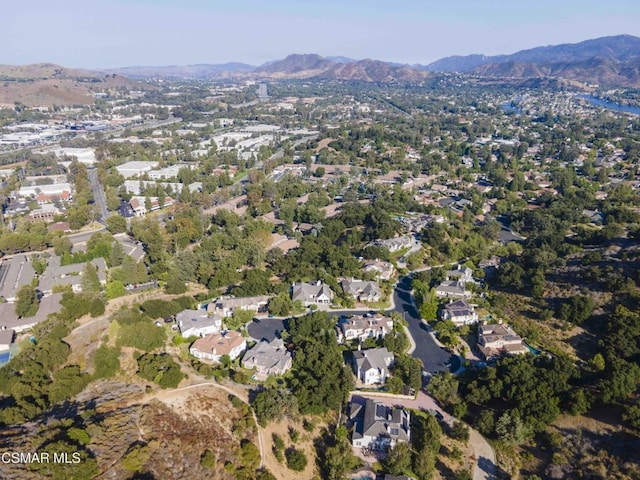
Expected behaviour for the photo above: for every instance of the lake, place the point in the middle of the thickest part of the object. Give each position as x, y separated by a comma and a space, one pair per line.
599, 102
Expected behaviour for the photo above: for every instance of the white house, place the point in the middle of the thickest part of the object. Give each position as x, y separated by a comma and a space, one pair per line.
197, 323
460, 313
312, 293
372, 366
361, 327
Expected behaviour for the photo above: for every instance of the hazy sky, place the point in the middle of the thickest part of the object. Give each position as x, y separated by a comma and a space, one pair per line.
113, 33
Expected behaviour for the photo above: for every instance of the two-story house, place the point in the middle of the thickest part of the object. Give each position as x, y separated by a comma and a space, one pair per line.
378, 426
372, 366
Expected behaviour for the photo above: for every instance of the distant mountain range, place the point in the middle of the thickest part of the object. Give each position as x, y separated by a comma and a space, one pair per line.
293, 66
608, 61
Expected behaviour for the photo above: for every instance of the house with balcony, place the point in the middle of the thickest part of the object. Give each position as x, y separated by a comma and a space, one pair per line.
361, 327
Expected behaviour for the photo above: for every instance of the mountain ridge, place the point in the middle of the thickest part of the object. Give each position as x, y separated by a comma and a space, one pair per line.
608, 61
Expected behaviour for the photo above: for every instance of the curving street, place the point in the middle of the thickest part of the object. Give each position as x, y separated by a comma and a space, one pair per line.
434, 358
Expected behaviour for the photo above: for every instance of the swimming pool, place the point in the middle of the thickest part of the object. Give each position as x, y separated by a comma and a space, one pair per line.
4, 357
533, 350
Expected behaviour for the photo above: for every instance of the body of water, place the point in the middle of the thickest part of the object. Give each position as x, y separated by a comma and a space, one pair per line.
4, 357
599, 102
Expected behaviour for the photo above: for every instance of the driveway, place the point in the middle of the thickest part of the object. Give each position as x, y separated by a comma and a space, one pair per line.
485, 467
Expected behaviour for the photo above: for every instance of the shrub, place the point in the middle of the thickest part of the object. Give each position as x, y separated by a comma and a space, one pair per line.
208, 459
296, 459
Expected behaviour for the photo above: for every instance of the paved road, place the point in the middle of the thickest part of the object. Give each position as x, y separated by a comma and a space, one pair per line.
83, 237
98, 194
434, 359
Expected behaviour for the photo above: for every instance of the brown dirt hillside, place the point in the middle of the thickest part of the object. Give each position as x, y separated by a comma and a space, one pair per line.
123, 434
46, 84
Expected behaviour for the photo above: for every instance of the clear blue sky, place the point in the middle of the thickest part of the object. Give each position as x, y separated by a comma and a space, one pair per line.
113, 33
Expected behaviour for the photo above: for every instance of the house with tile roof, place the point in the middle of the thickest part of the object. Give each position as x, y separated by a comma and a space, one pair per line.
213, 347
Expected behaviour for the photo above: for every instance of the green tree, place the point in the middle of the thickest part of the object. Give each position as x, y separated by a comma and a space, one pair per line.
296, 459
106, 361
208, 459
280, 305
116, 224
444, 388
398, 461
273, 404
510, 428
90, 281
160, 369
115, 289
26, 302
321, 382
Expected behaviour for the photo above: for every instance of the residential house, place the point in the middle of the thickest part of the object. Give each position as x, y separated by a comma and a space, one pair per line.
213, 347
57, 275
268, 358
361, 327
225, 306
15, 273
45, 212
372, 366
312, 293
395, 244
452, 289
198, 323
9, 320
382, 270
362, 290
460, 313
460, 273
497, 340
378, 426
